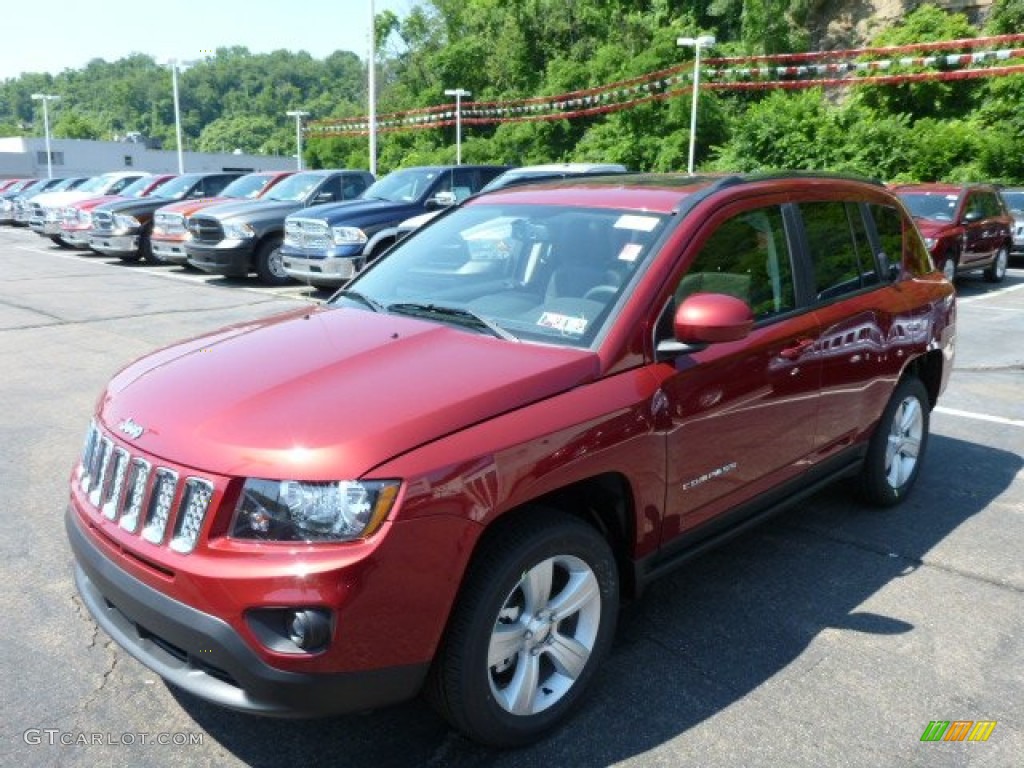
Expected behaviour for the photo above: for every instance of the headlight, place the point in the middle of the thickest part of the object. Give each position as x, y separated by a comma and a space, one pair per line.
6, 205
124, 224
348, 235
239, 231
929, 242
291, 510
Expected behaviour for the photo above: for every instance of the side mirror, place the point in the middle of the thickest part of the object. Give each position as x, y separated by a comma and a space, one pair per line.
708, 318
442, 200
972, 216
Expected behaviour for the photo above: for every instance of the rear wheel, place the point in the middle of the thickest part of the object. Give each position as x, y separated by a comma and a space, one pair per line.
897, 446
534, 620
270, 265
997, 269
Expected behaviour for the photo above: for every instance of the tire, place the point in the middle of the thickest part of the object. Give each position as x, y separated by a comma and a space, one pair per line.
59, 241
269, 265
949, 264
504, 610
144, 253
997, 269
897, 446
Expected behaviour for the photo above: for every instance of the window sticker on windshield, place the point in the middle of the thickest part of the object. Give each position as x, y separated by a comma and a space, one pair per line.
639, 223
630, 252
951, 197
564, 323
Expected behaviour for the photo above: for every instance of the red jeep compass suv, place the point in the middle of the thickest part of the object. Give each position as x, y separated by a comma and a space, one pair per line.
965, 226
446, 478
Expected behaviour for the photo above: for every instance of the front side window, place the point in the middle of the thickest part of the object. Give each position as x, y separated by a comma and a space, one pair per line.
839, 248
551, 274
746, 257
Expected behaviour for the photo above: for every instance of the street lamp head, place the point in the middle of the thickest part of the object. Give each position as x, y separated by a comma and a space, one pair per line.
296, 113
704, 41
460, 92
44, 97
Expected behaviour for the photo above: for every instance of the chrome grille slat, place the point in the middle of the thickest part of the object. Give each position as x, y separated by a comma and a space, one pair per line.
115, 485
130, 490
140, 469
161, 498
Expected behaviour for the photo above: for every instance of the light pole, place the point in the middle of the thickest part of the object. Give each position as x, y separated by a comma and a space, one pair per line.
298, 114
458, 93
704, 41
45, 98
371, 88
175, 65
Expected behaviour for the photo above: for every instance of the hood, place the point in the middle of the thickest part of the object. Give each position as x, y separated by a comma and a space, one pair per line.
933, 227
328, 393
188, 207
362, 211
60, 199
246, 208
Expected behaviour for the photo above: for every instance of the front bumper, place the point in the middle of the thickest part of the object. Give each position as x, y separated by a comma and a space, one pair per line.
232, 258
115, 245
171, 251
330, 271
45, 228
205, 656
77, 238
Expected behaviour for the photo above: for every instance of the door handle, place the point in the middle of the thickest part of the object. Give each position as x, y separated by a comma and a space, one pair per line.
797, 350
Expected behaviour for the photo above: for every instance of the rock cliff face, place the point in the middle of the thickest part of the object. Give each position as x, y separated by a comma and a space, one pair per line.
852, 23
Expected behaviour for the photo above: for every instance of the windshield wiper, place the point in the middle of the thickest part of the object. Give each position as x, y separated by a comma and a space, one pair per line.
455, 314
373, 304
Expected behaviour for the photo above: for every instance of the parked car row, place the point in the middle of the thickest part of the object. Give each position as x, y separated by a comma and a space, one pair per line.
321, 227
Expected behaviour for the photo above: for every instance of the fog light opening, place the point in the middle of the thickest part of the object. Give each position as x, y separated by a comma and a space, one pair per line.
308, 629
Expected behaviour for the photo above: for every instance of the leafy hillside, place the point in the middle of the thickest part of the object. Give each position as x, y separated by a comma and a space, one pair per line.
516, 49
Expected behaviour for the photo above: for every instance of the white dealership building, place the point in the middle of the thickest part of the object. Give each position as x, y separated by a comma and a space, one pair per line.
22, 157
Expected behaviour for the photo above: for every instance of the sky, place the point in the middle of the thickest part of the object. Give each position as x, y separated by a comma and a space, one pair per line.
67, 34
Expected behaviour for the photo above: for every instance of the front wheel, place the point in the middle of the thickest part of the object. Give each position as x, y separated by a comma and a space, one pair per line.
534, 619
997, 269
270, 265
897, 446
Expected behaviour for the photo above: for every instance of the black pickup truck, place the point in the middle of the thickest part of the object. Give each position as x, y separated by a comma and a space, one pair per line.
235, 239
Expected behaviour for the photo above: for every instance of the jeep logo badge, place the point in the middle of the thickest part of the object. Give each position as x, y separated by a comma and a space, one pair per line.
131, 429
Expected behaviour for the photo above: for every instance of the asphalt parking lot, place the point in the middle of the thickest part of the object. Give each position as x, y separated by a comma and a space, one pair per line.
831, 636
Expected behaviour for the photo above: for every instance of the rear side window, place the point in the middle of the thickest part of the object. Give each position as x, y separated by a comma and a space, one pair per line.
899, 239
839, 248
747, 257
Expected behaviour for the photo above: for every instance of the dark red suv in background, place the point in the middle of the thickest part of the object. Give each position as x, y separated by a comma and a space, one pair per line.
448, 476
965, 226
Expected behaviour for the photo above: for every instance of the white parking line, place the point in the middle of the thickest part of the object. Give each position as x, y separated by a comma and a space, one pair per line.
980, 416
993, 295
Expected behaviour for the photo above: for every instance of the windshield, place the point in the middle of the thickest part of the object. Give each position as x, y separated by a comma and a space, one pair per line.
930, 206
247, 187
1014, 199
402, 186
64, 184
295, 188
95, 184
551, 274
176, 188
138, 187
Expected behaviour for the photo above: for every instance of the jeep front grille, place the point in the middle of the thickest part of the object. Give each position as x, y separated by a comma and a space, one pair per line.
141, 498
